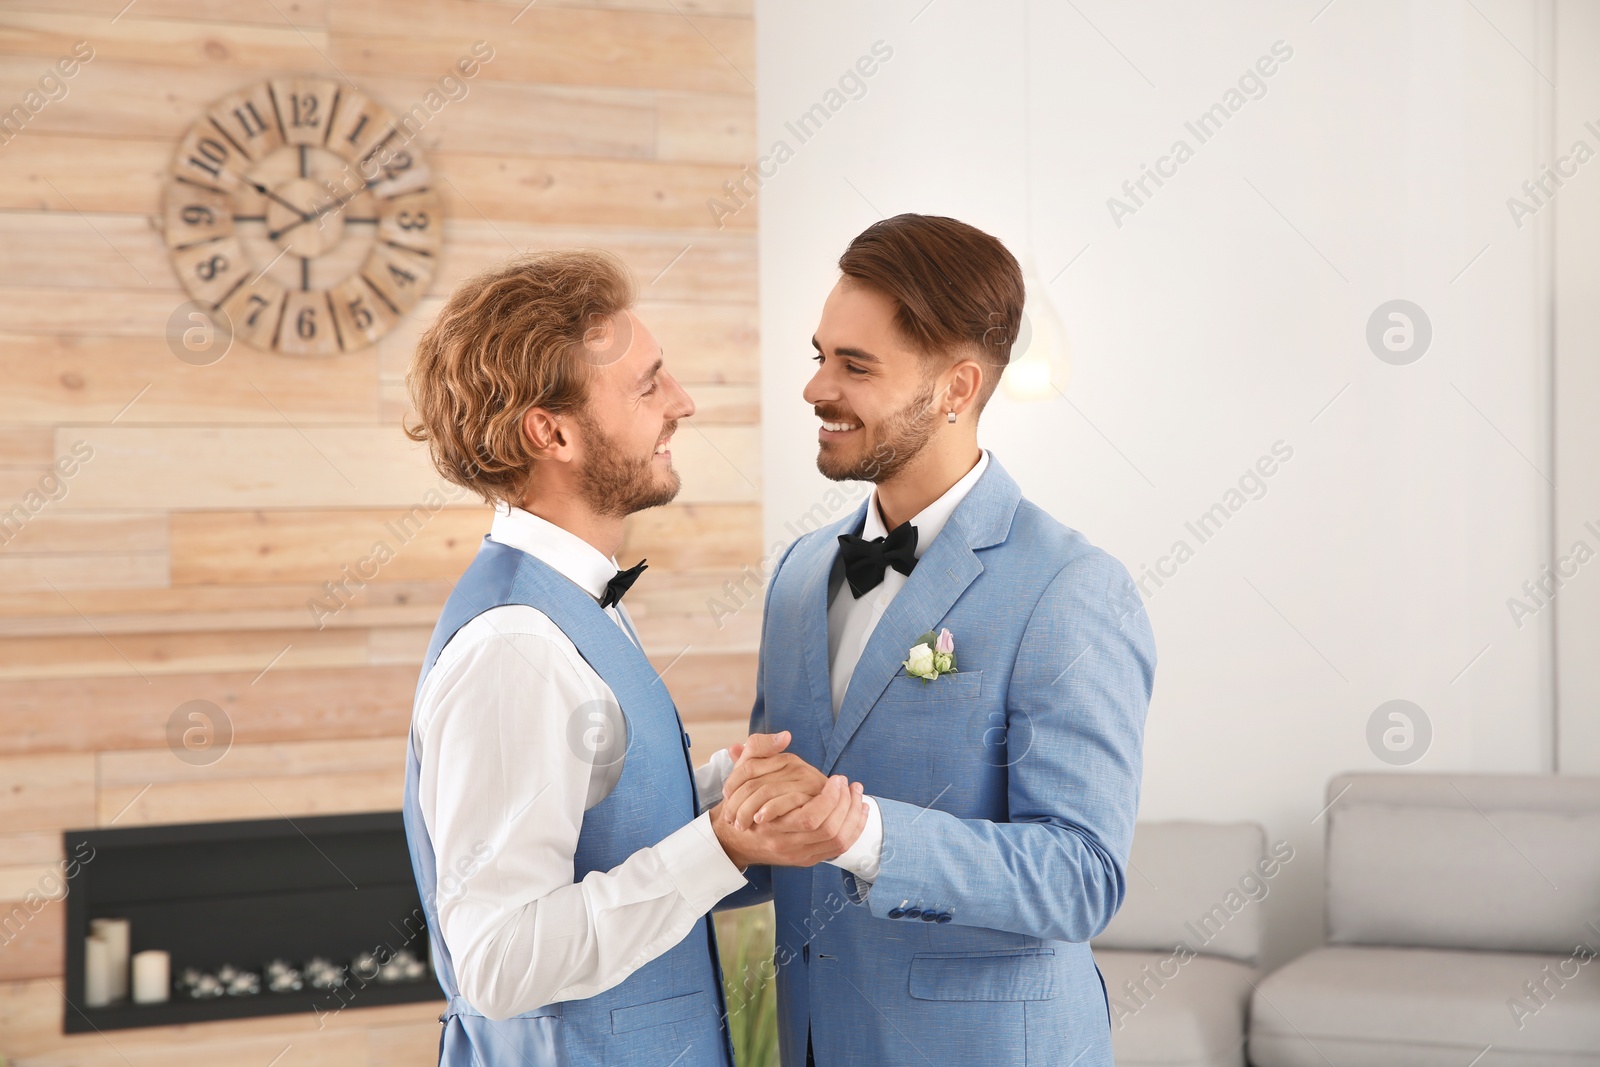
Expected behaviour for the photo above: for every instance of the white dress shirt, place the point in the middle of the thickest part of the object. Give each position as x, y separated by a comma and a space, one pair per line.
503, 792
850, 625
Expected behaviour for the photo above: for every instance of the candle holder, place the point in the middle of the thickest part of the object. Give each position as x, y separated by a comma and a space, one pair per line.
244, 984
324, 974
283, 978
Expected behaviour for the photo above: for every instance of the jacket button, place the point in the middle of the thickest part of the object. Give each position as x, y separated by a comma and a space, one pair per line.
944, 917
931, 916
913, 913
897, 913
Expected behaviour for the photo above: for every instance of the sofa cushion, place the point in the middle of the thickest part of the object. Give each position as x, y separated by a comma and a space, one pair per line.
1197, 884
1521, 792
1176, 1011
1468, 878
1395, 1007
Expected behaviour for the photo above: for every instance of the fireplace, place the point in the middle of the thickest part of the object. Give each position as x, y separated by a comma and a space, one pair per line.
257, 896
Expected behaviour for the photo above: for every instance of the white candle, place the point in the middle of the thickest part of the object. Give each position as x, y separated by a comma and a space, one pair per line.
152, 977
114, 932
96, 972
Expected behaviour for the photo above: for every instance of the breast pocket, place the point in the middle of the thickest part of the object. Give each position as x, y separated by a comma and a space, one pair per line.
660, 1012
962, 685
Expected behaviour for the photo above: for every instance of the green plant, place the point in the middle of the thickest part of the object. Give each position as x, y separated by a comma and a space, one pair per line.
749, 982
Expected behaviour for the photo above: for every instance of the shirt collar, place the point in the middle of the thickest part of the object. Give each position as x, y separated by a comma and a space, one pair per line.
562, 550
931, 519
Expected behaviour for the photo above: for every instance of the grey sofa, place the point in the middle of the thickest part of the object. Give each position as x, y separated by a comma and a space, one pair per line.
1462, 921
1180, 956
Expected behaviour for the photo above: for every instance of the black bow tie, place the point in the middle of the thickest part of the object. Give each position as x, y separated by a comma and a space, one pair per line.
620, 583
866, 561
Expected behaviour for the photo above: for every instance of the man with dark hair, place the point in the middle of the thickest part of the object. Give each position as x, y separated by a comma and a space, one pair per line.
565, 862
981, 669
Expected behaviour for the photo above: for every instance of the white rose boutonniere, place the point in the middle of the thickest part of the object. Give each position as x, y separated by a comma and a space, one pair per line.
932, 655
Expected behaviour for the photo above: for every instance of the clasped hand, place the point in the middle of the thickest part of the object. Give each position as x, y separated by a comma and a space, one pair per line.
778, 809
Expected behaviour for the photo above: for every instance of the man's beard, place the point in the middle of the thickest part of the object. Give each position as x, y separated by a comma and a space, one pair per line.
616, 484
893, 444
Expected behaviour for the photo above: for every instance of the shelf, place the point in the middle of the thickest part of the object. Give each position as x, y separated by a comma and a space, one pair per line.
174, 1012
244, 893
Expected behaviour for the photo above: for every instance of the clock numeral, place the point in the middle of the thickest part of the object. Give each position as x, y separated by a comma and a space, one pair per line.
211, 155
355, 126
256, 304
250, 119
398, 275
207, 269
254, 309
408, 220
303, 108
308, 327
397, 164
192, 216
360, 314
211, 270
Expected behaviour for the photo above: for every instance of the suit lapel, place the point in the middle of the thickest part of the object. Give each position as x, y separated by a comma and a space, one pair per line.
943, 573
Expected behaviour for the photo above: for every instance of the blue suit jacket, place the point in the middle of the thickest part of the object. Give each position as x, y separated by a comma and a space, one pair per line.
1008, 791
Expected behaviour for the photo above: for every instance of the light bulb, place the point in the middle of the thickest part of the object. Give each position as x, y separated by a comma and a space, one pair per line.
1027, 379
1041, 362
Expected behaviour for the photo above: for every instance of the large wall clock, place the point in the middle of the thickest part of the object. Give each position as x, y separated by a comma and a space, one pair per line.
300, 209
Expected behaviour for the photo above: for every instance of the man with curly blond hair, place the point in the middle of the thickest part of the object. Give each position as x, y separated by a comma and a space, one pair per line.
557, 827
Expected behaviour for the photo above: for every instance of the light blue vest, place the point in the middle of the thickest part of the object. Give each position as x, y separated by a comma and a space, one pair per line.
669, 1011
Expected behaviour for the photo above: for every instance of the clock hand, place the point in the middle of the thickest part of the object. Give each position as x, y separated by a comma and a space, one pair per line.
323, 210
269, 194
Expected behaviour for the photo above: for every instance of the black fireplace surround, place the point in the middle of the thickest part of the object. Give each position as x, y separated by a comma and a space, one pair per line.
244, 893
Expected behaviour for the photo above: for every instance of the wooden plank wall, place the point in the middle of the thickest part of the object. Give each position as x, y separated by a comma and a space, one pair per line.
179, 562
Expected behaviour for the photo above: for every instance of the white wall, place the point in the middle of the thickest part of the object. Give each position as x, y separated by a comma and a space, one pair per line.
1577, 373
1221, 317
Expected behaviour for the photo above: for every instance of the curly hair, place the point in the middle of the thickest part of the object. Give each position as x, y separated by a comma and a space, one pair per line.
508, 340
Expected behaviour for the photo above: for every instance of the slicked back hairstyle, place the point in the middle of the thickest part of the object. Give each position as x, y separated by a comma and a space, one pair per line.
507, 340
957, 291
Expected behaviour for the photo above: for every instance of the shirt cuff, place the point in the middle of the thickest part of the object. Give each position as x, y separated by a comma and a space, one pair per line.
701, 871
709, 777
864, 858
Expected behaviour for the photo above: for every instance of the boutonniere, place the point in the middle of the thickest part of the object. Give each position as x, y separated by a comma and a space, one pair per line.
932, 655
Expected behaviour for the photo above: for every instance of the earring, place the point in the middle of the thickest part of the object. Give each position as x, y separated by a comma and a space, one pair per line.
950, 417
